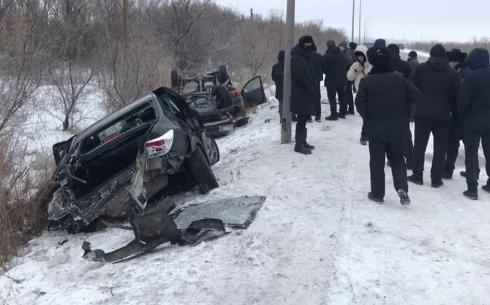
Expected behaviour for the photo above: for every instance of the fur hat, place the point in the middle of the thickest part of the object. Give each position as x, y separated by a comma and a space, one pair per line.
304, 40
412, 54
379, 56
438, 51
352, 46
455, 55
380, 43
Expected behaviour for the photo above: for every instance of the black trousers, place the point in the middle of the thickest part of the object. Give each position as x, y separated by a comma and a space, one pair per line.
423, 129
394, 149
301, 122
349, 97
318, 104
333, 92
472, 144
455, 136
409, 149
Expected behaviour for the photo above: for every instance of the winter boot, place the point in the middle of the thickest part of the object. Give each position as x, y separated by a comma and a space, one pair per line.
300, 146
486, 187
404, 199
416, 179
375, 199
447, 175
436, 183
318, 119
463, 174
471, 194
308, 146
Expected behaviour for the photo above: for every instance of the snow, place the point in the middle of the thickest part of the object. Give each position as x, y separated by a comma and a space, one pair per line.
421, 55
317, 240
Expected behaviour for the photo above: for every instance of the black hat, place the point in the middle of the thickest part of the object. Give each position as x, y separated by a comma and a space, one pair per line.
331, 44
394, 48
455, 55
304, 40
438, 51
379, 56
412, 54
352, 46
380, 43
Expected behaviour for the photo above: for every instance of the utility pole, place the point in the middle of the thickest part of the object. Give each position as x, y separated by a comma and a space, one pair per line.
360, 20
353, 17
286, 104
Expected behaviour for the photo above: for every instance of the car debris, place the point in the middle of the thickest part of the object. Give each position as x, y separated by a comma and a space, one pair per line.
189, 225
129, 157
220, 104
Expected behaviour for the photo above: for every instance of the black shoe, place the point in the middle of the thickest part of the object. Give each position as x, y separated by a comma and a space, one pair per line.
486, 187
302, 150
473, 195
332, 118
364, 141
318, 119
342, 116
375, 199
416, 180
404, 199
436, 183
305, 144
462, 173
447, 175
350, 111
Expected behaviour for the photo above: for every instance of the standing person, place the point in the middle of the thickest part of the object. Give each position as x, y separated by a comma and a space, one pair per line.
303, 93
474, 113
349, 59
316, 64
278, 78
412, 61
439, 86
358, 70
456, 61
397, 63
334, 67
383, 101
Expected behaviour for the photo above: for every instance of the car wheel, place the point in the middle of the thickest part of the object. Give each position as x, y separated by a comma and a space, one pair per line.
200, 169
174, 78
222, 74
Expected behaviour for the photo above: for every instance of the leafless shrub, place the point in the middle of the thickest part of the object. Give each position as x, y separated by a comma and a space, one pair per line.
465, 46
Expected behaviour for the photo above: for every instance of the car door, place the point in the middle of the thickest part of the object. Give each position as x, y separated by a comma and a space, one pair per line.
253, 92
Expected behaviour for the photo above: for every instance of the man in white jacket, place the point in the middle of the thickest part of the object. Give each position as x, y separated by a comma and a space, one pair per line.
357, 71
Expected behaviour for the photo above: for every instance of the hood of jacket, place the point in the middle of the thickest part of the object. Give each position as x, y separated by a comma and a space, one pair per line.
361, 50
439, 63
478, 59
299, 51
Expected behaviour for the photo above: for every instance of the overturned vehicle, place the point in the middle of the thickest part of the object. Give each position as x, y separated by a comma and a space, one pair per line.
129, 157
220, 104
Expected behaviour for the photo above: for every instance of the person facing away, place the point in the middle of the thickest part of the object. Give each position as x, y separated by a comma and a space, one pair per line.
303, 92
456, 61
334, 67
278, 78
412, 61
349, 59
399, 64
317, 66
474, 114
439, 87
358, 70
383, 100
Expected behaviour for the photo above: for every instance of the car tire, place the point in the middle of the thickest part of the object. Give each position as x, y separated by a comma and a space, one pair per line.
174, 78
222, 74
200, 170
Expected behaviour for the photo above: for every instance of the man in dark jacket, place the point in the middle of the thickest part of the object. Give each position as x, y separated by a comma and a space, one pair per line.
474, 113
349, 59
278, 78
317, 66
439, 87
397, 63
412, 61
303, 92
456, 61
383, 101
335, 67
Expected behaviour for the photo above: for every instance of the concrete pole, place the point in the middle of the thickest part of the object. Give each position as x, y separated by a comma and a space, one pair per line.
353, 19
286, 103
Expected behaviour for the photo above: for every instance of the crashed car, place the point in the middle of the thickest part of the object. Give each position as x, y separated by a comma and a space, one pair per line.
129, 156
219, 103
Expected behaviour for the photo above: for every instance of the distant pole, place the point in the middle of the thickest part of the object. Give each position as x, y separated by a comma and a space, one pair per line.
353, 19
286, 104
360, 20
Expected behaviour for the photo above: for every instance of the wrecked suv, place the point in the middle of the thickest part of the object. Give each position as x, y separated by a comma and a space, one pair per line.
129, 156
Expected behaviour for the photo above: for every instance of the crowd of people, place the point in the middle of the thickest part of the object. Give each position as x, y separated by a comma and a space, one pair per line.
448, 96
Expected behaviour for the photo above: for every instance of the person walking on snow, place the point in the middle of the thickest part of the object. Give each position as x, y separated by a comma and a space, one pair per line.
474, 114
334, 67
316, 64
383, 100
439, 87
303, 92
358, 70
278, 78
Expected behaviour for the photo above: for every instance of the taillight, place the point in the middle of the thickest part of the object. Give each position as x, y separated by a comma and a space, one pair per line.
160, 146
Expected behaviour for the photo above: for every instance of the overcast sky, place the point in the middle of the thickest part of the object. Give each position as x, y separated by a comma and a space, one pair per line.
442, 20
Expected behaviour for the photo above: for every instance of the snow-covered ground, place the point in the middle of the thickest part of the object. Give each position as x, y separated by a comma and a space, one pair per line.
317, 240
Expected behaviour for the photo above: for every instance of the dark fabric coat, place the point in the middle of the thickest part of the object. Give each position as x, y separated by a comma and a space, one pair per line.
474, 97
278, 78
335, 67
439, 86
303, 93
400, 65
317, 65
383, 101
412, 62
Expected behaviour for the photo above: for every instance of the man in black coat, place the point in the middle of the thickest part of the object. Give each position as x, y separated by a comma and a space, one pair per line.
474, 114
439, 87
317, 66
349, 58
383, 100
397, 63
278, 78
335, 67
303, 92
